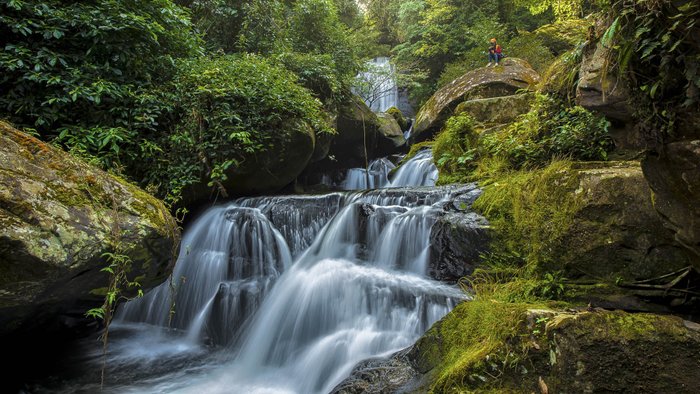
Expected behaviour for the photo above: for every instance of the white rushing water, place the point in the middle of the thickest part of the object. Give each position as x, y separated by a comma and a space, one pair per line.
418, 171
286, 294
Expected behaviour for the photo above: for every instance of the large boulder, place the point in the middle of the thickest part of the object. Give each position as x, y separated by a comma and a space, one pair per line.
600, 88
58, 217
262, 172
361, 135
391, 138
616, 233
508, 79
496, 110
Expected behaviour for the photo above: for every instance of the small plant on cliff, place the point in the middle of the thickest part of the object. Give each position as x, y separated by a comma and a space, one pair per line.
455, 148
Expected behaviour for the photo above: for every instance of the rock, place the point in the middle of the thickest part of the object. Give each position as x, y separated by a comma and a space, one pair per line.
674, 178
564, 35
497, 110
568, 351
57, 217
600, 88
400, 118
391, 138
457, 240
616, 233
357, 133
379, 376
488, 82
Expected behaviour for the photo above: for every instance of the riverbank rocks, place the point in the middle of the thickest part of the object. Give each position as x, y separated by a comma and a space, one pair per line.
488, 82
58, 216
523, 348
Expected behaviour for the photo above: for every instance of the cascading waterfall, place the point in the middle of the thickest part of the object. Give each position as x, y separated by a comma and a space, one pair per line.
287, 294
418, 171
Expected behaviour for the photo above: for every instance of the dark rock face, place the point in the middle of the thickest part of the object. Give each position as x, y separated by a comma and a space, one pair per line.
675, 181
601, 89
487, 82
456, 243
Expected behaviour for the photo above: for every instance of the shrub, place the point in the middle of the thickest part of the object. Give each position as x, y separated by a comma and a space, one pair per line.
455, 149
84, 64
226, 110
551, 129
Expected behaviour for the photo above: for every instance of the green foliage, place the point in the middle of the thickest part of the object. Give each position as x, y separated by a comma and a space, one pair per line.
530, 48
551, 129
83, 64
656, 45
561, 77
225, 110
530, 210
304, 33
455, 148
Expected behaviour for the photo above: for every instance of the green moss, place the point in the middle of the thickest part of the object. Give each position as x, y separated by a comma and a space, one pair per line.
455, 149
398, 115
474, 343
530, 210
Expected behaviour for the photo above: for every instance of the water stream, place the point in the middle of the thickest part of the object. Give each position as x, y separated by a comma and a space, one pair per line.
286, 294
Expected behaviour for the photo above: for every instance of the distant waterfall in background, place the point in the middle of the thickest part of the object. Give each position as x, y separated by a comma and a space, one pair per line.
377, 86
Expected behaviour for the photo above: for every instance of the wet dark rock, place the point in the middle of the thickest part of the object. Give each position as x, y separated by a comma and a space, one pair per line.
457, 241
380, 376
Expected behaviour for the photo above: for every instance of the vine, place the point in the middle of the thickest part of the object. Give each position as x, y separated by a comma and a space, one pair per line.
119, 265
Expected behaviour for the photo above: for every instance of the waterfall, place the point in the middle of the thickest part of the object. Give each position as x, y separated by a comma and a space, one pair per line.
377, 86
418, 171
287, 294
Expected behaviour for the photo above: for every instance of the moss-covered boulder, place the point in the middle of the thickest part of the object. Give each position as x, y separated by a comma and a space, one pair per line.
58, 216
505, 80
496, 110
391, 138
589, 219
616, 233
360, 133
485, 346
563, 35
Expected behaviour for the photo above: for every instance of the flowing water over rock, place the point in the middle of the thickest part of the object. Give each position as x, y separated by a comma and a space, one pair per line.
418, 171
285, 295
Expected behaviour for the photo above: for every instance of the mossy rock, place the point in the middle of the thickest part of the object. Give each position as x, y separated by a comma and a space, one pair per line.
590, 220
563, 35
58, 216
496, 110
485, 346
400, 118
512, 76
391, 139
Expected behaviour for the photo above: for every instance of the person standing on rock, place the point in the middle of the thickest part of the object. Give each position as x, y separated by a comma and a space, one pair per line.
494, 56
